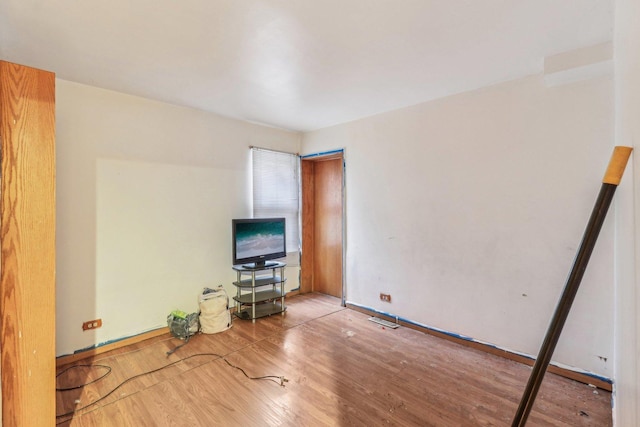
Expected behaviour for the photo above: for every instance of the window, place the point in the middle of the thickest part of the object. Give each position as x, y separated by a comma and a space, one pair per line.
276, 192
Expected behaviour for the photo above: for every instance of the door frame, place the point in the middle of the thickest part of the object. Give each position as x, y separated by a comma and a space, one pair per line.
27, 242
306, 185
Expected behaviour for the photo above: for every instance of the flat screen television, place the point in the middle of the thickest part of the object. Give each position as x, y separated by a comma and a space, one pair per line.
258, 240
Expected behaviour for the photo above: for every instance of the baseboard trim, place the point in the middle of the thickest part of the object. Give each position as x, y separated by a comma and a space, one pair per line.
114, 345
582, 377
564, 372
103, 348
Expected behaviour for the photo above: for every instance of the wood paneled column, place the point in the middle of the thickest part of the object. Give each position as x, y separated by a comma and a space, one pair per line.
27, 243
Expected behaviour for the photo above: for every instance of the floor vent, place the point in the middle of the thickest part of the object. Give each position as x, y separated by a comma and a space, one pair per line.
384, 322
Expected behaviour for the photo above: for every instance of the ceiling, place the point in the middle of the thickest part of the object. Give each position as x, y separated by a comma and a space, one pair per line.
296, 64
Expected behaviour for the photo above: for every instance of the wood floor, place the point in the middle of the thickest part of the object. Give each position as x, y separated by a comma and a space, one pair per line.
341, 369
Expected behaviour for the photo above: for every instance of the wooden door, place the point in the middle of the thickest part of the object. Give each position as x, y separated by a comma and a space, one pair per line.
27, 241
322, 225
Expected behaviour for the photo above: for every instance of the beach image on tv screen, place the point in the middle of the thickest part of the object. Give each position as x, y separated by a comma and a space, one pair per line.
259, 238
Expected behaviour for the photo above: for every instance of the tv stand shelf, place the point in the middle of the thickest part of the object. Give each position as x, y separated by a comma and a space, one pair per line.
259, 295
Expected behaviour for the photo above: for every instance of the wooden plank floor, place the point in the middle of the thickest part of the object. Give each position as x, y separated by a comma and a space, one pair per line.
341, 368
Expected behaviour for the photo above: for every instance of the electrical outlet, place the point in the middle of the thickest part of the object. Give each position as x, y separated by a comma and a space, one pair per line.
385, 297
91, 324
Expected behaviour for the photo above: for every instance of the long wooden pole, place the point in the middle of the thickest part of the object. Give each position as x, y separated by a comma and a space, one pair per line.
610, 182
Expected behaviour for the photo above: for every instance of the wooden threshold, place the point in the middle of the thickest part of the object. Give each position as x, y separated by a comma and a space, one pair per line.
563, 372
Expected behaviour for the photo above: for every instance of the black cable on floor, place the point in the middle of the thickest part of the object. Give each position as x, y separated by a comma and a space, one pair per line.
281, 380
108, 368
278, 379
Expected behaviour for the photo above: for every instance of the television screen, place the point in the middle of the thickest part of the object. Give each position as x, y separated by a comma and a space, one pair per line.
258, 240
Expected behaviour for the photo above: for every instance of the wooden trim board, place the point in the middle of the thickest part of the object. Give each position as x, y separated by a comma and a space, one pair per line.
487, 348
95, 351
84, 354
27, 243
563, 372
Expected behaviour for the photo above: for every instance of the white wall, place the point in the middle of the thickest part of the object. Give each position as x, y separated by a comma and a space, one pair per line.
627, 126
145, 196
469, 211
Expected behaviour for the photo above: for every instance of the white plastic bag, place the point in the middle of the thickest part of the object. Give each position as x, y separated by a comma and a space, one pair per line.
214, 311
